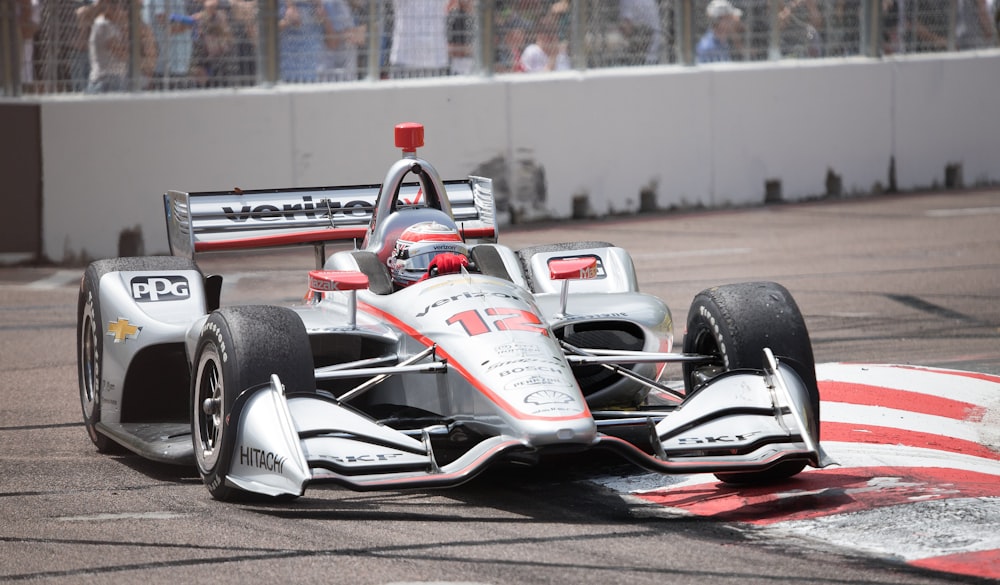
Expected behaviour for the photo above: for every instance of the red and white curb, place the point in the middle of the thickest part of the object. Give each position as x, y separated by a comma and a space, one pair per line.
917, 480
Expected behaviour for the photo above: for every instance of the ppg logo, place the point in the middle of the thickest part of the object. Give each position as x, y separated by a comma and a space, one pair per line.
160, 288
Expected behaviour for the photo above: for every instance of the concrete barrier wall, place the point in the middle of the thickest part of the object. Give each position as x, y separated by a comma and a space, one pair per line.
557, 145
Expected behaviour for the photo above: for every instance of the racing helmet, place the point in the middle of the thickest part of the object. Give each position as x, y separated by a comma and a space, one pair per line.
417, 247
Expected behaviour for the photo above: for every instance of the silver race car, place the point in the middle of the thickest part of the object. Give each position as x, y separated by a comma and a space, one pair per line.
428, 351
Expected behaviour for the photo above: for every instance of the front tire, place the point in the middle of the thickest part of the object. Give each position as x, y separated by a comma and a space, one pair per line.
241, 347
733, 324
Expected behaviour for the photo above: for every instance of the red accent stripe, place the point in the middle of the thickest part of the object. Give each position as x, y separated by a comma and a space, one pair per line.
866, 395
983, 563
825, 492
452, 362
270, 240
878, 435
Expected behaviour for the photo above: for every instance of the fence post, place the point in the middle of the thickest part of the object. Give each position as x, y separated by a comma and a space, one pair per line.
267, 32
10, 50
871, 28
684, 31
486, 15
374, 29
774, 41
952, 24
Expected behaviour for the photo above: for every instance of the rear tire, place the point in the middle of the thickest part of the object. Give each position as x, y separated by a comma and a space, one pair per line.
241, 347
733, 324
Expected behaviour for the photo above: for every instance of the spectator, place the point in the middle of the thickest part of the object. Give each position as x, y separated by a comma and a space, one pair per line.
639, 21
974, 26
461, 37
212, 44
304, 28
800, 23
28, 13
547, 53
915, 26
512, 34
724, 26
244, 26
419, 38
110, 39
173, 31
341, 62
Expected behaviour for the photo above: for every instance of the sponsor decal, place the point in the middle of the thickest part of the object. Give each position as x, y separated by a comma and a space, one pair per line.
122, 330
467, 295
533, 369
366, 458
516, 349
521, 361
147, 289
595, 272
308, 209
548, 397
261, 459
536, 380
717, 439
596, 316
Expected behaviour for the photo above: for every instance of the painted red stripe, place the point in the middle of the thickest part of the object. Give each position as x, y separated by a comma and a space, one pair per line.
310, 237
984, 563
825, 492
864, 394
878, 435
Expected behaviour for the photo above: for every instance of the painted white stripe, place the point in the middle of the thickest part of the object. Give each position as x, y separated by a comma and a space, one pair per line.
124, 516
899, 419
961, 211
57, 279
946, 526
847, 456
853, 455
914, 379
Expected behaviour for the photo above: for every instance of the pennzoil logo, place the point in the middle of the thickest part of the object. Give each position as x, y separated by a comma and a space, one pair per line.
122, 330
537, 380
151, 289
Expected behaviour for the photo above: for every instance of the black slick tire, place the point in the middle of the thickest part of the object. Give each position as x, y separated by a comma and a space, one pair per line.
734, 323
239, 348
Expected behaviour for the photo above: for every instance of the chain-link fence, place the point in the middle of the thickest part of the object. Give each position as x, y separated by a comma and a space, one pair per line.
70, 46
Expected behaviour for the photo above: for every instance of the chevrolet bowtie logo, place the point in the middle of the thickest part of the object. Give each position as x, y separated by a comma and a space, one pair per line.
122, 329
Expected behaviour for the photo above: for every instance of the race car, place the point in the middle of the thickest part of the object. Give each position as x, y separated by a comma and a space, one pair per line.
424, 351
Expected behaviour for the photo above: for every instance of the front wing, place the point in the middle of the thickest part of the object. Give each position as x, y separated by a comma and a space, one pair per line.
740, 422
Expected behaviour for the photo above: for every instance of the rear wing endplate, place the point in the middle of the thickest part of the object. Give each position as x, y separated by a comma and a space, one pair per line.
213, 221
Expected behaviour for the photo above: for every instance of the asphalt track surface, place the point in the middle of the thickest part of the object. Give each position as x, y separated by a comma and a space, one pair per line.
893, 280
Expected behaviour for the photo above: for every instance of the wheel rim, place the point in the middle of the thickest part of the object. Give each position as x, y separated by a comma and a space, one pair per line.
705, 343
209, 412
89, 362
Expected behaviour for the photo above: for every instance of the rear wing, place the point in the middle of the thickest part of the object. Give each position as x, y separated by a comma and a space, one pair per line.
213, 221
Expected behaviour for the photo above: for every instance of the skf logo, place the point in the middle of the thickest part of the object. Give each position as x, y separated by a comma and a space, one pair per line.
147, 289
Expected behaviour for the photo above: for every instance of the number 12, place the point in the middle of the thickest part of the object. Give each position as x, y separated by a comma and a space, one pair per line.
475, 323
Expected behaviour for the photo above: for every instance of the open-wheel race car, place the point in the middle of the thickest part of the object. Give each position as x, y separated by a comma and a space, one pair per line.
427, 351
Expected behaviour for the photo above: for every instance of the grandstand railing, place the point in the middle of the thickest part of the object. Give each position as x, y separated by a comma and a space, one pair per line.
49, 46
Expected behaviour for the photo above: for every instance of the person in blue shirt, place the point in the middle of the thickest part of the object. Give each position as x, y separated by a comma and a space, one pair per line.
305, 32
723, 32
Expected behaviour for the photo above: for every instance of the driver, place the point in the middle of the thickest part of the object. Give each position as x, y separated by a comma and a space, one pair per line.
424, 250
